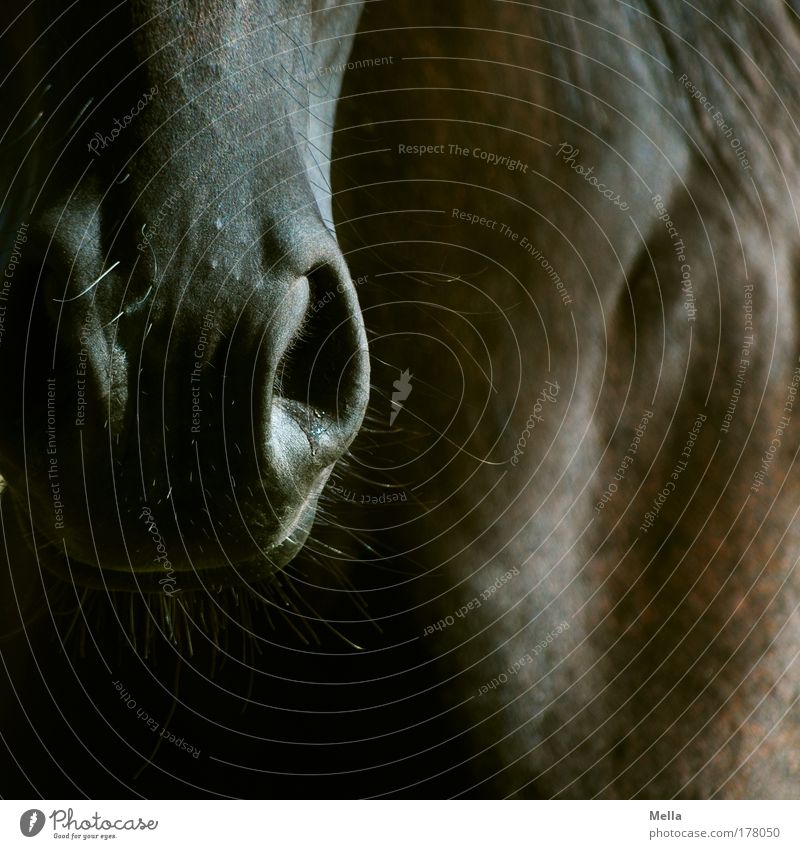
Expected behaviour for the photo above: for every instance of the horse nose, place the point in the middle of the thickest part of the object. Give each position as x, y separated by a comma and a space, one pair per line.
317, 381
219, 399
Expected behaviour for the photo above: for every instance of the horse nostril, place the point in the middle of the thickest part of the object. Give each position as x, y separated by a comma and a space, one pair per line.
322, 374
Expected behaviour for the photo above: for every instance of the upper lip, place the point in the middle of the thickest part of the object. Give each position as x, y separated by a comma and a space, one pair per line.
258, 568
255, 569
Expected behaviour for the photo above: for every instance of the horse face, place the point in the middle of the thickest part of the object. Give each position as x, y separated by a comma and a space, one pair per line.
186, 360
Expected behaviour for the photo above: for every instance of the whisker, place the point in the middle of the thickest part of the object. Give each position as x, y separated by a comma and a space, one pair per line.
89, 289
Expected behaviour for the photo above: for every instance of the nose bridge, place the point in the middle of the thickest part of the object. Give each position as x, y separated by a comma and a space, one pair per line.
270, 331
225, 207
217, 200
229, 91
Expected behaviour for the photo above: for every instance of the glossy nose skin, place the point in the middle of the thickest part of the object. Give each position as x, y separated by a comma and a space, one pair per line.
316, 367
198, 414
188, 359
